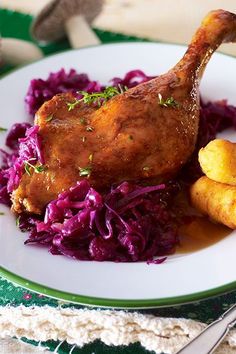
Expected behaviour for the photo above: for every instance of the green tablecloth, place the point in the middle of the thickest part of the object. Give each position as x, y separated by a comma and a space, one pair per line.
17, 25
205, 311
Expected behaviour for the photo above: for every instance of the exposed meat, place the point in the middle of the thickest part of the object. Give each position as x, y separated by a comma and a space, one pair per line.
131, 137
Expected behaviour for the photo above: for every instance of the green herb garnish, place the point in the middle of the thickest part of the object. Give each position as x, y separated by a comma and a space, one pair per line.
122, 89
40, 168
1, 213
82, 121
27, 169
49, 118
169, 102
3, 129
18, 221
37, 169
85, 172
71, 105
89, 128
97, 98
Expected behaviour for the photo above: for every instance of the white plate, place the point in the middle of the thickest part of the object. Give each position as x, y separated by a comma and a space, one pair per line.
182, 278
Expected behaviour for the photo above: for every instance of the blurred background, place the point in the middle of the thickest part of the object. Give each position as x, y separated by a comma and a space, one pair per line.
172, 21
166, 21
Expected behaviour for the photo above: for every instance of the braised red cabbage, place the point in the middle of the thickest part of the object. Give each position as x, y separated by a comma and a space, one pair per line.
10, 170
29, 151
130, 223
42, 90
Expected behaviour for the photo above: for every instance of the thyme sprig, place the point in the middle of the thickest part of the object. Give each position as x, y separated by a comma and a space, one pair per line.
18, 221
37, 169
97, 98
49, 118
3, 129
85, 171
168, 102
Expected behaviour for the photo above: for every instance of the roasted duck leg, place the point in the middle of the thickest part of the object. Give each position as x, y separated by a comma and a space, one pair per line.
144, 134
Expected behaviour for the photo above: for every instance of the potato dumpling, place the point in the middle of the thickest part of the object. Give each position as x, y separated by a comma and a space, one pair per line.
218, 161
215, 199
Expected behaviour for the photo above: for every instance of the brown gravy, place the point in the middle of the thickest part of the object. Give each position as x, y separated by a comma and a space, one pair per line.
200, 233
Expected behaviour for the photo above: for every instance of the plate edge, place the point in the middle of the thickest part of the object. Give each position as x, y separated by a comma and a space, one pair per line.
115, 303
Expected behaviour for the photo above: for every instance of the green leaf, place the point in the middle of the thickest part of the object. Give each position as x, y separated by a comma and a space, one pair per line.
40, 168
18, 221
1, 213
27, 168
3, 129
49, 118
85, 172
169, 102
37, 169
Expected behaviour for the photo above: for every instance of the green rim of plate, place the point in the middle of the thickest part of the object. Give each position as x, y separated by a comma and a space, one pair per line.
106, 302
114, 303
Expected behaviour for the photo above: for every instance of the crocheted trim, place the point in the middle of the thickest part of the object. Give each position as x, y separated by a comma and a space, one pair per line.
14, 346
82, 326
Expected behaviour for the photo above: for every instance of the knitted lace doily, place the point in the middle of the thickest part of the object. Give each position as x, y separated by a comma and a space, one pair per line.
83, 326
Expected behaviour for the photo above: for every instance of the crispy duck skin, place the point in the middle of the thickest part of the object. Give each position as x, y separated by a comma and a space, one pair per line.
133, 136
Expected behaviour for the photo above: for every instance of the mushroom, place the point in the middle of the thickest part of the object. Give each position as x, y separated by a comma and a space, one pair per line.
18, 52
67, 17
